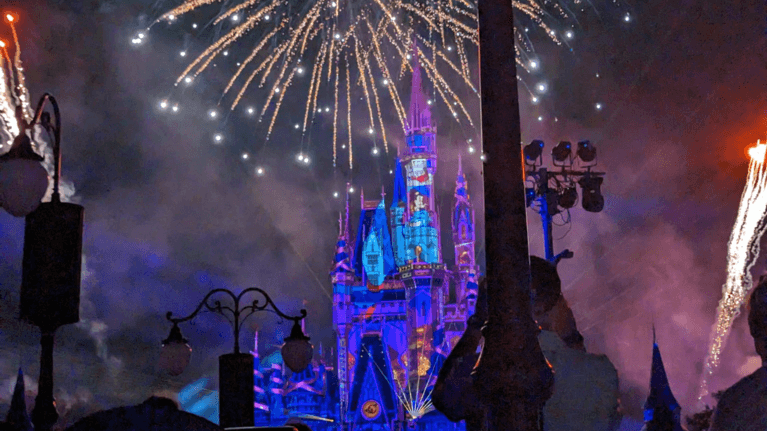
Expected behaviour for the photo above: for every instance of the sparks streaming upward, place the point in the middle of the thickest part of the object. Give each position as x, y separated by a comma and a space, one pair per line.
367, 36
742, 251
13, 90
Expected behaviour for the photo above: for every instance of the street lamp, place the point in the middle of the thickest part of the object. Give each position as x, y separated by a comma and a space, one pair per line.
235, 370
53, 235
23, 179
555, 192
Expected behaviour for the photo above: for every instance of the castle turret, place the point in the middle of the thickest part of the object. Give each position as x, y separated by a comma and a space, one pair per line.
18, 418
463, 242
423, 273
661, 410
342, 277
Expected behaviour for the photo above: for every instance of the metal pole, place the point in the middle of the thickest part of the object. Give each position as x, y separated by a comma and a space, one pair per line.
512, 376
545, 213
44, 415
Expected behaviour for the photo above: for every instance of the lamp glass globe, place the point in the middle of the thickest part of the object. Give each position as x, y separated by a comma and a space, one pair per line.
23, 184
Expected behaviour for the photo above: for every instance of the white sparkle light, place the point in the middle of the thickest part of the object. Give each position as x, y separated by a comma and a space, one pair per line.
569, 34
266, 18
188, 80
194, 25
540, 118
598, 106
627, 18
259, 171
375, 151
471, 149
335, 194
541, 87
212, 114
251, 110
218, 137
245, 156
742, 251
533, 64
235, 17
182, 53
175, 108
163, 104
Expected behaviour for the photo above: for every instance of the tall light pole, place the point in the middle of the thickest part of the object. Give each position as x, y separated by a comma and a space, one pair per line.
512, 376
53, 234
554, 190
235, 370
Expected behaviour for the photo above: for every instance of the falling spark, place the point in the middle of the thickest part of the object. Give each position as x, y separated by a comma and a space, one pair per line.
287, 34
742, 251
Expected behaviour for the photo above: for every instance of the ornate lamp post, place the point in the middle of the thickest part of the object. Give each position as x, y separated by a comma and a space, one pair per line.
235, 370
53, 233
512, 376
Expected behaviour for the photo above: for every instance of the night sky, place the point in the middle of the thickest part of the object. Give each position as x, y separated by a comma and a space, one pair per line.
170, 214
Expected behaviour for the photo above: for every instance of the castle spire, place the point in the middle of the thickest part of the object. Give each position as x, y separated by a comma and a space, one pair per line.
661, 410
420, 115
18, 417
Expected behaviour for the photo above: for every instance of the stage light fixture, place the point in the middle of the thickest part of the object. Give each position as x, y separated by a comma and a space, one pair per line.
586, 151
592, 200
562, 153
533, 151
568, 197
529, 196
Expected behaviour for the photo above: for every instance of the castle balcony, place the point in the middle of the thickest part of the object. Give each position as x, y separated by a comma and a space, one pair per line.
342, 277
423, 275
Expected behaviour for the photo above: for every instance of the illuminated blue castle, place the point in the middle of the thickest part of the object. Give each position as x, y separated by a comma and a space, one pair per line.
398, 310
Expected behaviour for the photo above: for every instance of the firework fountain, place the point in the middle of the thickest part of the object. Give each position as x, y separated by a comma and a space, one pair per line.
742, 251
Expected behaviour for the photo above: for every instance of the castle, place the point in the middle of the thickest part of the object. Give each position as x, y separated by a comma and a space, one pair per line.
397, 308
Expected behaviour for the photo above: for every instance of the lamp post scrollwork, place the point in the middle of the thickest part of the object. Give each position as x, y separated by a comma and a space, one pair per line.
236, 369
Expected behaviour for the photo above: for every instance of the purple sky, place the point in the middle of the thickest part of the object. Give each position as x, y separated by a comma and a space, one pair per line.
170, 215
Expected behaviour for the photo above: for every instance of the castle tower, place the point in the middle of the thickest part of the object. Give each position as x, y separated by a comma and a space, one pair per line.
423, 272
661, 410
464, 239
342, 277
463, 296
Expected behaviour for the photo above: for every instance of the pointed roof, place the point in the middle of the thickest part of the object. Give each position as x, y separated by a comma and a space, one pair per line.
373, 376
374, 221
661, 410
460, 181
18, 417
419, 116
400, 191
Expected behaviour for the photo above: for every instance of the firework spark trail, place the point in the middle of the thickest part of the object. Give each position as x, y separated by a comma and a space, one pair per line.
742, 251
312, 33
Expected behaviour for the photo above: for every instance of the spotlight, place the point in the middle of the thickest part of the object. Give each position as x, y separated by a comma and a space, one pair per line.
592, 200
562, 153
586, 151
568, 197
533, 151
529, 196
